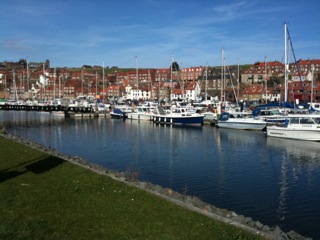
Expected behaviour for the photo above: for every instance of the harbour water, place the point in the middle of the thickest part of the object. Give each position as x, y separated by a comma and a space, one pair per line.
274, 181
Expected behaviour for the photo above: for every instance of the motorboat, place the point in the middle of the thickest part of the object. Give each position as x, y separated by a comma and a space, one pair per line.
300, 127
117, 113
239, 120
177, 116
270, 115
141, 113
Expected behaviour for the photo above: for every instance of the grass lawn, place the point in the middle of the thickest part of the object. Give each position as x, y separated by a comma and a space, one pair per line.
44, 197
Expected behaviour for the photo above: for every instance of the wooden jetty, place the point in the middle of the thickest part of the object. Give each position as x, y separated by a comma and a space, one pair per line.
81, 112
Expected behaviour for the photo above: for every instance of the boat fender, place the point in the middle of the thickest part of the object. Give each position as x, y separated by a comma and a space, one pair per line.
286, 122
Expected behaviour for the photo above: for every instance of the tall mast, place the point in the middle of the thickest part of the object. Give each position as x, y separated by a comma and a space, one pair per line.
222, 75
28, 77
238, 80
205, 93
103, 81
312, 80
96, 85
171, 77
44, 84
54, 84
15, 86
224, 78
137, 76
285, 64
59, 87
149, 85
266, 84
5, 86
82, 92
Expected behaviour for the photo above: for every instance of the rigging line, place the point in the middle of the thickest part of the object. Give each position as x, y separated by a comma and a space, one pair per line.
231, 78
297, 66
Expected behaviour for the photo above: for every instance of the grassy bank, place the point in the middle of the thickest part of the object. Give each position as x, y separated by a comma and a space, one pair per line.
44, 197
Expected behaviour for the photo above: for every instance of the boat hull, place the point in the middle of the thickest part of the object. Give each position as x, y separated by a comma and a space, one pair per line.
242, 125
239, 120
306, 135
117, 113
137, 116
183, 120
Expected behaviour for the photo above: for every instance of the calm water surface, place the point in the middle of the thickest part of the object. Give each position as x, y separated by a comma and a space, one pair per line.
272, 180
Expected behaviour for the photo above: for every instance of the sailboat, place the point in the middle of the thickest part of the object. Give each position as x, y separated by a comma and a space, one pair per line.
299, 127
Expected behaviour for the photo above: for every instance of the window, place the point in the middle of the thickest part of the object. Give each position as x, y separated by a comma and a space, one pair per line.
317, 120
294, 120
306, 121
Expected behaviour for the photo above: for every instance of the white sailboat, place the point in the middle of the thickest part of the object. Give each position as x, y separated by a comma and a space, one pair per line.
300, 127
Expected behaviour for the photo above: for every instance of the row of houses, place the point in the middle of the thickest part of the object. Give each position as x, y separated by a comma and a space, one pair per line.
261, 80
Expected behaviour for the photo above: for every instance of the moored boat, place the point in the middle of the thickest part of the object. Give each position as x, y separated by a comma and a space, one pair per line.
300, 127
178, 116
141, 113
240, 121
117, 113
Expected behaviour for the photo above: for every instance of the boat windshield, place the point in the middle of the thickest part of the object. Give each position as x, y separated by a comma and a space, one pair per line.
317, 120
305, 120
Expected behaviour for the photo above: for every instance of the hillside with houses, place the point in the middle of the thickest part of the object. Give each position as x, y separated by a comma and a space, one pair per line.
260, 81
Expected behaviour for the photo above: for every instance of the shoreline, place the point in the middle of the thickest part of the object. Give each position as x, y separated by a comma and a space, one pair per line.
191, 203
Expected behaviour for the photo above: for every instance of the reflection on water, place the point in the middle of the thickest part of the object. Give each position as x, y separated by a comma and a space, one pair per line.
302, 151
29, 118
275, 181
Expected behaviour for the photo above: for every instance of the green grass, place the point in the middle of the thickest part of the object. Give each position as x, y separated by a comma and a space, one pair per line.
44, 197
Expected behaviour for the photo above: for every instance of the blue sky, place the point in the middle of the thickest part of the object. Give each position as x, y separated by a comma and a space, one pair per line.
149, 32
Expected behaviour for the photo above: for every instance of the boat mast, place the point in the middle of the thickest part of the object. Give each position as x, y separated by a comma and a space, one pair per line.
171, 77
312, 80
103, 81
137, 76
222, 75
54, 84
238, 80
15, 86
96, 85
149, 85
224, 78
159, 83
205, 93
82, 93
28, 78
59, 86
44, 83
266, 83
286, 70
5, 86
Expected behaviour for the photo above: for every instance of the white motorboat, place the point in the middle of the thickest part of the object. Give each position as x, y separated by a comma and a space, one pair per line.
239, 120
141, 113
300, 127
